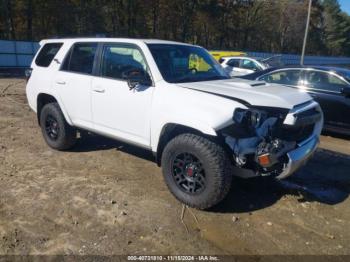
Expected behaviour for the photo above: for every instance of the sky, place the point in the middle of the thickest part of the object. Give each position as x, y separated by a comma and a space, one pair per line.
345, 5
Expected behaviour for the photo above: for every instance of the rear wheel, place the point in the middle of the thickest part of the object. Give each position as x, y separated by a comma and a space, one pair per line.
57, 133
196, 170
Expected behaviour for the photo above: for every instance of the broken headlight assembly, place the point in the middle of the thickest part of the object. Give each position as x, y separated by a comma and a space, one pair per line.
249, 117
253, 141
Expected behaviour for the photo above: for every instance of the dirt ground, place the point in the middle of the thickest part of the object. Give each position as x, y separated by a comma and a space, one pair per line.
104, 197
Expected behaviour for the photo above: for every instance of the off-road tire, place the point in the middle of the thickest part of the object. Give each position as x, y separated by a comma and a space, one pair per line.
215, 162
67, 135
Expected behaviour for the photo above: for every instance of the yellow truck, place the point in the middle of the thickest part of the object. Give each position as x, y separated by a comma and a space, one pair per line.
219, 54
201, 66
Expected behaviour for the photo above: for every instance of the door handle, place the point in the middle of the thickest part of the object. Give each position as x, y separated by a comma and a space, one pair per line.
61, 82
99, 90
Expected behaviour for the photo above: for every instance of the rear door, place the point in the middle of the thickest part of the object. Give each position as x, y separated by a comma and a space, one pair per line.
73, 82
326, 88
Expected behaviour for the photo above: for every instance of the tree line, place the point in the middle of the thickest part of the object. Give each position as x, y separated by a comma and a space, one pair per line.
249, 25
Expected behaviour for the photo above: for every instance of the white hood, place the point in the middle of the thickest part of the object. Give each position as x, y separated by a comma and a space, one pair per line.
253, 92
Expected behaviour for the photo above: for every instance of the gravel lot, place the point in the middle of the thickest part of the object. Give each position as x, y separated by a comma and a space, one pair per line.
106, 197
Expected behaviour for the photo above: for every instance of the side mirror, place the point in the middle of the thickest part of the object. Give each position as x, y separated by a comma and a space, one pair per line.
346, 91
136, 76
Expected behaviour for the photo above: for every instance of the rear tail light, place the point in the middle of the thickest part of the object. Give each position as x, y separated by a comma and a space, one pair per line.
28, 73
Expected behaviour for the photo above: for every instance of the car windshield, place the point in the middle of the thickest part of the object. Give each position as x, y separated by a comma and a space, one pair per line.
185, 63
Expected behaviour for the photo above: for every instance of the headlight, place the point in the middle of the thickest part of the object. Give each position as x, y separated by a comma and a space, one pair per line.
249, 117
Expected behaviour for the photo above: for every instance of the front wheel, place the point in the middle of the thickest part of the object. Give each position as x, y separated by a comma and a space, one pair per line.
196, 170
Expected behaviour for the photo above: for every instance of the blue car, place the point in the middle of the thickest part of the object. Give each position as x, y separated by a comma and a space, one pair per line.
329, 86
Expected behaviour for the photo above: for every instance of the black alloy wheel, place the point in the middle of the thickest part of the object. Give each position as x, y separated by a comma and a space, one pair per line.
51, 127
188, 173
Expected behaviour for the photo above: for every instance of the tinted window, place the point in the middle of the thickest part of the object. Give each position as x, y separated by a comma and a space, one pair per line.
47, 54
249, 64
117, 60
81, 58
233, 62
288, 77
324, 81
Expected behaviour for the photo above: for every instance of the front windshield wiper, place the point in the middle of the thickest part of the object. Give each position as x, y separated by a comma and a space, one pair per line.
216, 78
185, 79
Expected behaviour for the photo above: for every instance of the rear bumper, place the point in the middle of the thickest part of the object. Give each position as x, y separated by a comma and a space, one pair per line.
299, 156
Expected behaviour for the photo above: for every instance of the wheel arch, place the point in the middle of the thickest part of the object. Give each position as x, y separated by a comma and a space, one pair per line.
44, 99
171, 130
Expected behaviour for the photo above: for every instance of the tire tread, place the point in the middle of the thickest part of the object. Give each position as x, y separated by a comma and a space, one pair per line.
218, 160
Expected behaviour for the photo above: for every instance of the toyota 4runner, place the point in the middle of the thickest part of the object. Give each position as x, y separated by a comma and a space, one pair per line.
202, 126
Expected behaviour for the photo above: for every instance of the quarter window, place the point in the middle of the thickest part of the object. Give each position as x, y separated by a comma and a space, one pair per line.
81, 58
47, 54
117, 60
289, 77
324, 81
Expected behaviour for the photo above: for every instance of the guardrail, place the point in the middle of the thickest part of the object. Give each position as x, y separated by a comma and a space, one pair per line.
289, 59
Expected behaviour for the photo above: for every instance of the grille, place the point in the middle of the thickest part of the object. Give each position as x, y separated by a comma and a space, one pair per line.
296, 133
303, 128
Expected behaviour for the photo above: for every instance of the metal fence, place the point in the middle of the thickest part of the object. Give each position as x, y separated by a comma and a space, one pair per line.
19, 54
16, 54
289, 59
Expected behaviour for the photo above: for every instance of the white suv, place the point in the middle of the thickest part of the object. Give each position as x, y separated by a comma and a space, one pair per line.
202, 126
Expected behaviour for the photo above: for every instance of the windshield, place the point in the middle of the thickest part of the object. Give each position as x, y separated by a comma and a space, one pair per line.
185, 63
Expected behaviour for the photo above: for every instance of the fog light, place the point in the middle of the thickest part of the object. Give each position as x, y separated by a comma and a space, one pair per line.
264, 160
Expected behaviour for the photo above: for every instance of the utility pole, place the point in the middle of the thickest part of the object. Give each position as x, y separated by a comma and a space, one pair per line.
306, 33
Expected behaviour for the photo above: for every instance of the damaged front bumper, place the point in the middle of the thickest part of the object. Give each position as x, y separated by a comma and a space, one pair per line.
299, 156
276, 147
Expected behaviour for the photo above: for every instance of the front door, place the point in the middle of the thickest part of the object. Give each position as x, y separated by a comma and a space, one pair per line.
117, 110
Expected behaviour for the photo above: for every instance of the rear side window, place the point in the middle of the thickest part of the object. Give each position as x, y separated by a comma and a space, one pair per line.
288, 77
324, 81
47, 54
80, 59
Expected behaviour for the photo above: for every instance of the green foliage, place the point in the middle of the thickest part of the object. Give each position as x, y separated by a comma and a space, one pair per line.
337, 28
259, 25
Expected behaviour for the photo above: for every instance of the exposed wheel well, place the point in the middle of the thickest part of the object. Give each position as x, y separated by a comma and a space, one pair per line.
170, 131
42, 100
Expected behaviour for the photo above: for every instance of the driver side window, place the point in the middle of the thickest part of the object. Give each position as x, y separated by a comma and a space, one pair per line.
117, 60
